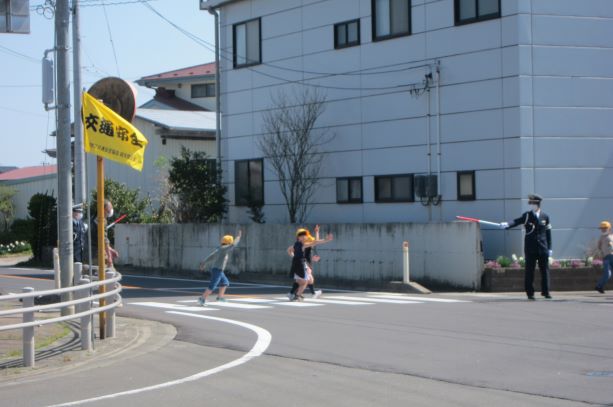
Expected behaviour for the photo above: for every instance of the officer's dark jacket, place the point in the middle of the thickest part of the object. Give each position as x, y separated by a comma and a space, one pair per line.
538, 232
78, 235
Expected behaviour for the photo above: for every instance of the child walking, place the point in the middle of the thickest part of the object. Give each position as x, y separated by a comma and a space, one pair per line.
219, 260
302, 259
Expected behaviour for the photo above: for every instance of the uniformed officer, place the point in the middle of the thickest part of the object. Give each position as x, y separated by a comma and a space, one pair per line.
537, 244
79, 229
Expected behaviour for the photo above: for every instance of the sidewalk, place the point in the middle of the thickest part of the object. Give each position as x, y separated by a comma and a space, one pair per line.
134, 337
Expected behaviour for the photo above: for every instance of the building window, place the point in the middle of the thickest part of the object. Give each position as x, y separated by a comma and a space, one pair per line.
391, 18
206, 90
349, 190
247, 43
347, 34
466, 186
394, 188
249, 182
471, 11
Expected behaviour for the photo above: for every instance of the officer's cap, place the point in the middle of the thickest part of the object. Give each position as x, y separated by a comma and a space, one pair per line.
77, 208
534, 199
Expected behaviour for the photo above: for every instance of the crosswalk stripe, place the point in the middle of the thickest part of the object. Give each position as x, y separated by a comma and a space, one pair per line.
375, 300
419, 299
298, 304
229, 304
252, 300
174, 307
331, 301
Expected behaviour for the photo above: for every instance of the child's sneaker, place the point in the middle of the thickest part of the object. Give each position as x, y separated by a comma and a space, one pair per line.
201, 301
290, 296
293, 297
221, 299
317, 294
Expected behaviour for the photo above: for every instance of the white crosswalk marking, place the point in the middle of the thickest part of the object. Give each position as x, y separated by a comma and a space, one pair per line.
374, 300
228, 304
298, 304
333, 301
419, 299
173, 307
259, 303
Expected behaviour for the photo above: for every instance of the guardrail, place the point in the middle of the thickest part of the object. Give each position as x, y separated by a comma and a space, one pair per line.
109, 290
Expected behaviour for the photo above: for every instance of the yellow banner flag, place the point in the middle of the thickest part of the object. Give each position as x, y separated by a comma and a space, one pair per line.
109, 135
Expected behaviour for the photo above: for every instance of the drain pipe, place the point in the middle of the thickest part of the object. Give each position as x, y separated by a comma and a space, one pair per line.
438, 131
428, 132
217, 86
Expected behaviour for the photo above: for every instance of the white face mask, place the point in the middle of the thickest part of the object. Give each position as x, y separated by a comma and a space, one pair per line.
535, 208
79, 216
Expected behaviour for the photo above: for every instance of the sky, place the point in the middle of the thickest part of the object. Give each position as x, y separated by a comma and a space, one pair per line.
118, 38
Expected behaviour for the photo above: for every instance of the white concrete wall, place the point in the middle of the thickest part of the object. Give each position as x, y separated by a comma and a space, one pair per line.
443, 252
184, 91
148, 180
526, 102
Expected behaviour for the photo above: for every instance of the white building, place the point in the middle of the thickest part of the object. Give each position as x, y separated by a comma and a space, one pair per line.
526, 105
178, 116
27, 182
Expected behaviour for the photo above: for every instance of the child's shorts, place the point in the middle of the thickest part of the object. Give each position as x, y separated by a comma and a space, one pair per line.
218, 278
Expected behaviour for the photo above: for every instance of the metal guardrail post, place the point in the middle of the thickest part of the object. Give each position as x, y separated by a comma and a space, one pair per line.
28, 333
86, 339
110, 321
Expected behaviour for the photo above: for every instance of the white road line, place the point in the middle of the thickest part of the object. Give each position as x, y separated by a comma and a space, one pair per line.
262, 343
228, 304
338, 302
375, 300
251, 300
176, 307
406, 297
287, 303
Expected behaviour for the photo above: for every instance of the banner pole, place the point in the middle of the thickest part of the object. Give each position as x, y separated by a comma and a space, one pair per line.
101, 242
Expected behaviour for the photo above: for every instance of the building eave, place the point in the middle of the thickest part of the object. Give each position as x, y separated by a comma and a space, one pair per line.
213, 4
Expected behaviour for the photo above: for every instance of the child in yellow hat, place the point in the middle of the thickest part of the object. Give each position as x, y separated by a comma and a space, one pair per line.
301, 258
219, 260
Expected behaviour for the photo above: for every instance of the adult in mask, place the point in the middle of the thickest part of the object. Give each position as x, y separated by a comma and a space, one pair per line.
537, 244
79, 229
605, 249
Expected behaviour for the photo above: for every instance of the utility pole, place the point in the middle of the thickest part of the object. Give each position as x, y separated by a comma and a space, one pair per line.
64, 207
79, 152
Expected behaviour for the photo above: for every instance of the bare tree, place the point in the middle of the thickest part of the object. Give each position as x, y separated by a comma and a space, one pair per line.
292, 145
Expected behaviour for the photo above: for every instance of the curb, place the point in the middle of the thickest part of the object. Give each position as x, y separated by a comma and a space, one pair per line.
135, 337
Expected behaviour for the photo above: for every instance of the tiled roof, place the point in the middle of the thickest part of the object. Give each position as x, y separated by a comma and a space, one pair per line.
196, 70
28, 172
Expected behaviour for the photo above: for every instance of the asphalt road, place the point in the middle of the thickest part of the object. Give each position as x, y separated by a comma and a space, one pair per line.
346, 349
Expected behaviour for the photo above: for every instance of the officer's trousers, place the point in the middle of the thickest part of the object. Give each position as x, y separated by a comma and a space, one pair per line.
543, 261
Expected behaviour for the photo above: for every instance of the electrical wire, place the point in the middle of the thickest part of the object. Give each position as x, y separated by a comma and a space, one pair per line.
108, 27
323, 75
18, 54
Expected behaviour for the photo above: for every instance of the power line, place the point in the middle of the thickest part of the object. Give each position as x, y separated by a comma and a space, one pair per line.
323, 75
108, 27
18, 54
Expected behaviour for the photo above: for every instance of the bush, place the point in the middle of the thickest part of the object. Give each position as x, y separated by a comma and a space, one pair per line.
43, 211
15, 247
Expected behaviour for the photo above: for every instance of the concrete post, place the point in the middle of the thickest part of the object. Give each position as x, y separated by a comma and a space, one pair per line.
405, 263
56, 267
86, 340
78, 272
110, 320
28, 333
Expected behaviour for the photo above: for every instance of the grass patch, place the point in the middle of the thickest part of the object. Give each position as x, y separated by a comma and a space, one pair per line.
42, 342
